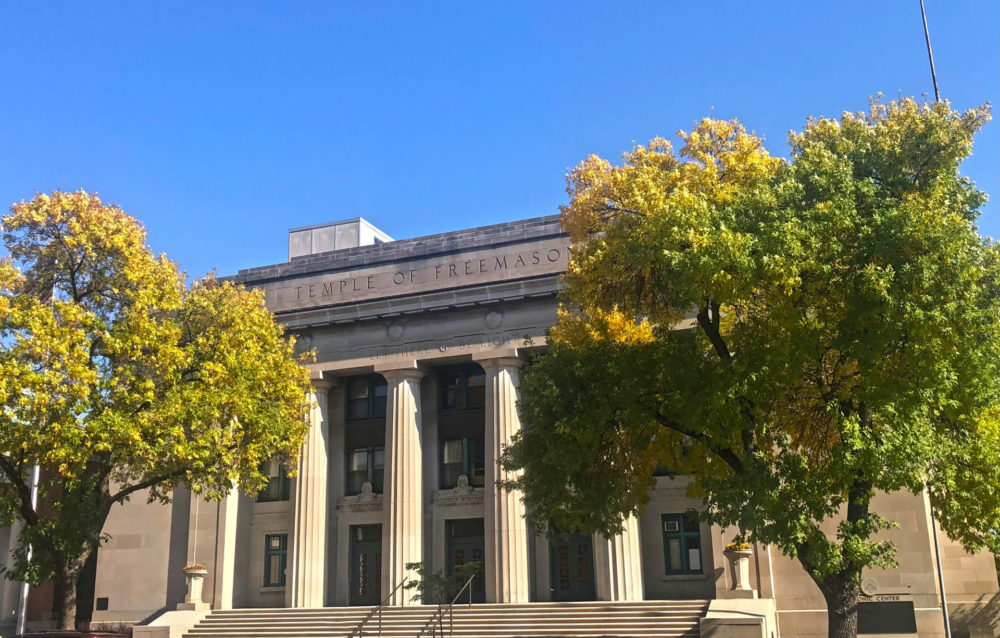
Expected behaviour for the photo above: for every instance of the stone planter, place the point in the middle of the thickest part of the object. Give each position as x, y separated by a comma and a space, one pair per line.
195, 581
739, 568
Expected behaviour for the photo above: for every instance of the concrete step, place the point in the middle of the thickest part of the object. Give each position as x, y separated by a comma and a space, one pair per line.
509, 626
466, 614
499, 606
666, 619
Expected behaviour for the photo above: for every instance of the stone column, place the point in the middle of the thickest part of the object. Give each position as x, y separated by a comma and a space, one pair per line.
225, 550
402, 540
505, 531
617, 564
306, 567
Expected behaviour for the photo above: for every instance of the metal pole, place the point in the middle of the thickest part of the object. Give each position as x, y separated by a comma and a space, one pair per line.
930, 55
937, 556
22, 606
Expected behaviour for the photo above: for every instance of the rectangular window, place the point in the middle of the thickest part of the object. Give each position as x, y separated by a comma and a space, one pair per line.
365, 465
278, 486
275, 556
366, 397
462, 389
462, 456
681, 544
452, 458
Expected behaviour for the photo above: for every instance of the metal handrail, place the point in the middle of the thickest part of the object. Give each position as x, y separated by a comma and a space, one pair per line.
439, 616
360, 628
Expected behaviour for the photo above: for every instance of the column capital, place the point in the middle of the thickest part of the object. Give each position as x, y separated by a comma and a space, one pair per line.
399, 370
321, 380
496, 363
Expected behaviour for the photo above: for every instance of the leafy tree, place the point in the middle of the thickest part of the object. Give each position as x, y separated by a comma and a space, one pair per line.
794, 335
116, 378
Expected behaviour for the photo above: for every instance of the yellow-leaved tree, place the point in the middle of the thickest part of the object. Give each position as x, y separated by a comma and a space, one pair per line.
794, 336
116, 379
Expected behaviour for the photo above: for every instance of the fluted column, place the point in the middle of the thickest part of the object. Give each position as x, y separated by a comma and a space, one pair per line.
617, 564
306, 568
402, 540
505, 531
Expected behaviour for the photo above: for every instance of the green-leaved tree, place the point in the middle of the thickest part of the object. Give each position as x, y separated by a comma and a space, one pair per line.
794, 335
117, 379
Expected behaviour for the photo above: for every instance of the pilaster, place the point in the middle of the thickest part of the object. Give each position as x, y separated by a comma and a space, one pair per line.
618, 565
402, 537
505, 531
306, 565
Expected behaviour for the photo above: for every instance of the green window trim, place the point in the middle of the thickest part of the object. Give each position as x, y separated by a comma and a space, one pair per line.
275, 559
682, 552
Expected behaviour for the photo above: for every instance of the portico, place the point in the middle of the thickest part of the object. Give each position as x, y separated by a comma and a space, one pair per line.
419, 346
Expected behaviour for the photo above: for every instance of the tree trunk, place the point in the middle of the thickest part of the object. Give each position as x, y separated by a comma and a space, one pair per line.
64, 596
841, 594
85, 592
64, 599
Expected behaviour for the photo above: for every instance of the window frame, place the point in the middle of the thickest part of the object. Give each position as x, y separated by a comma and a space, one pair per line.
284, 490
370, 460
281, 552
463, 373
469, 449
373, 381
683, 520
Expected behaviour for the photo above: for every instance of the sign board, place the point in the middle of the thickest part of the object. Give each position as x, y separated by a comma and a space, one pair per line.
886, 614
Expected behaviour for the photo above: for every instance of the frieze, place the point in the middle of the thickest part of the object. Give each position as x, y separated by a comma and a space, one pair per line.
520, 261
461, 345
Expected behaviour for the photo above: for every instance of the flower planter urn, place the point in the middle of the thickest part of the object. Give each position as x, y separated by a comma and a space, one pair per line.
739, 570
195, 576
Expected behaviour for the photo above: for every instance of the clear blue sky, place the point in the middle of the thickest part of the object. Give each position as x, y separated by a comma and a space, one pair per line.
221, 125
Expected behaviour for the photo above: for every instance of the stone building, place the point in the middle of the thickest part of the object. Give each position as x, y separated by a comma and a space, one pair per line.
419, 345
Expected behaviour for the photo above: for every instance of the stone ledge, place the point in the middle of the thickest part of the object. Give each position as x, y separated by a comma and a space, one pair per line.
740, 618
461, 494
173, 624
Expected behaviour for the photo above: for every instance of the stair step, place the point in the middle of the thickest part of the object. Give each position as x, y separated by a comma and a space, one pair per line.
649, 619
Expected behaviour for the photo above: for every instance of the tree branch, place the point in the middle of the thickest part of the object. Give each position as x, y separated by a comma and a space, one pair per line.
124, 492
708, 319
728, 456
23, 490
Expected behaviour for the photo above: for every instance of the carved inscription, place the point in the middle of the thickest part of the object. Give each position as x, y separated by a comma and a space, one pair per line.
460, 345
475, 267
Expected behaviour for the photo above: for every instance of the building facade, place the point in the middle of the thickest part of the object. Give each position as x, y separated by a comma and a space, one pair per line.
419, 345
